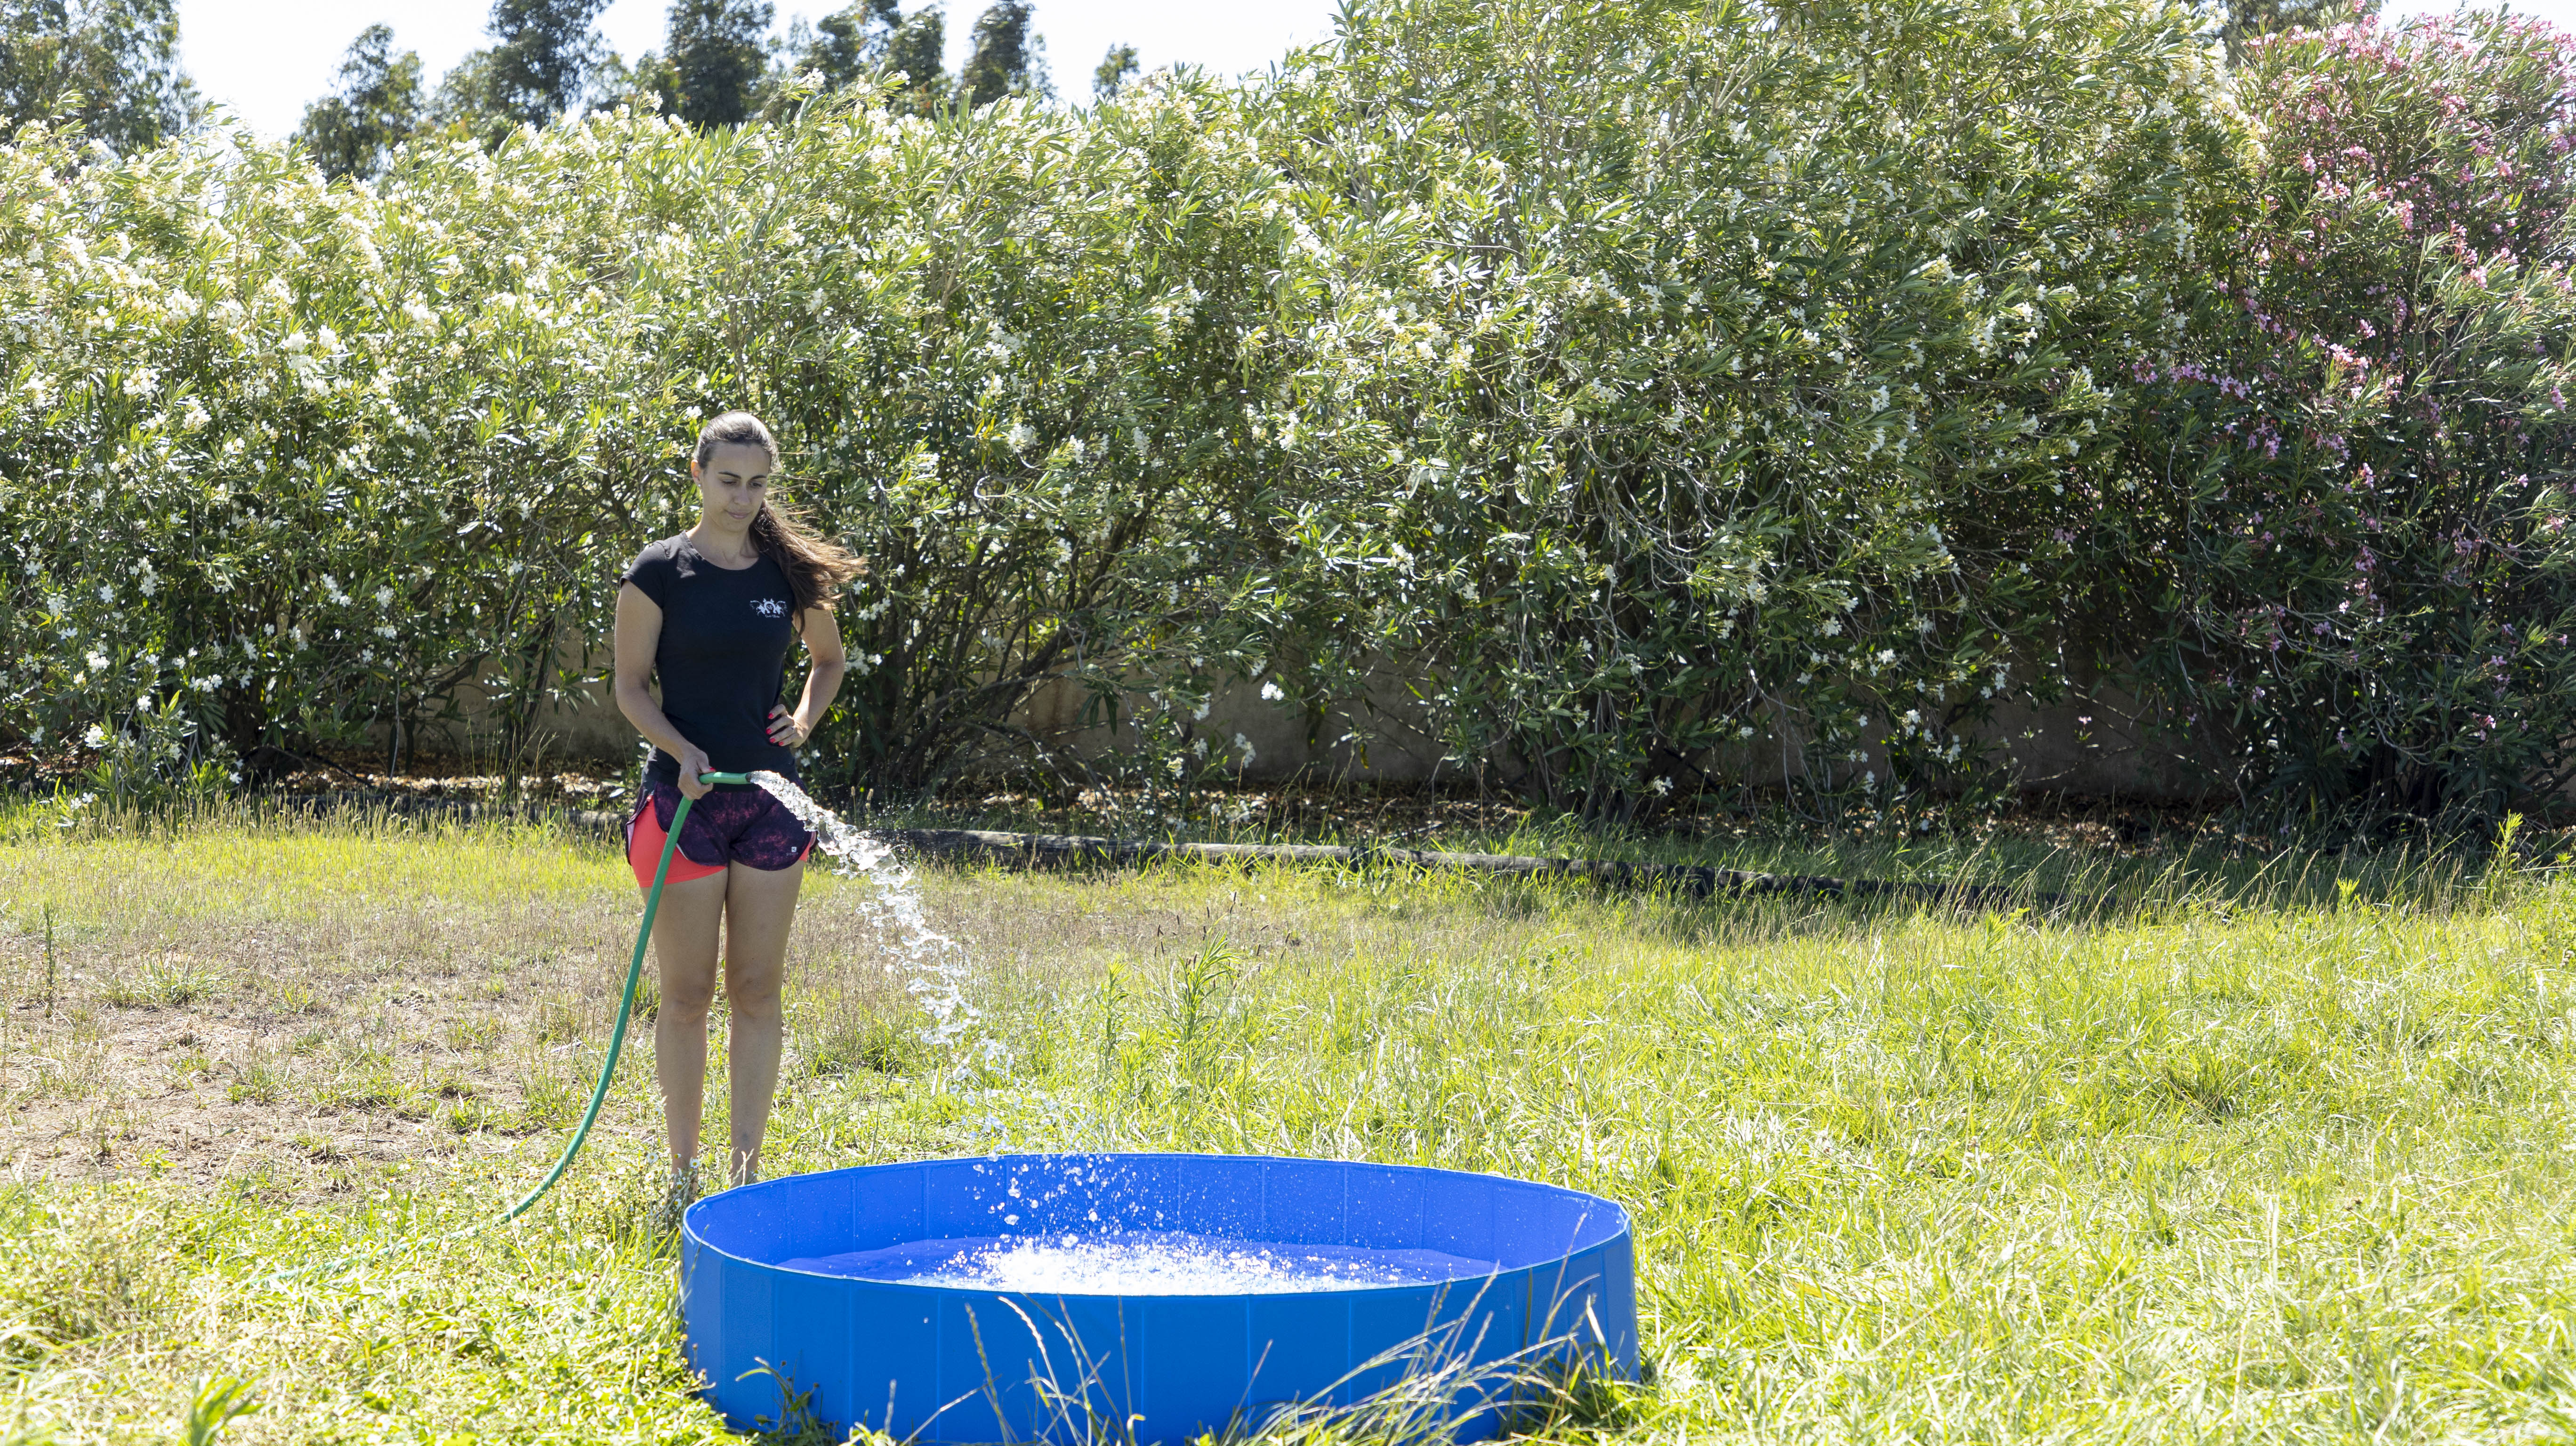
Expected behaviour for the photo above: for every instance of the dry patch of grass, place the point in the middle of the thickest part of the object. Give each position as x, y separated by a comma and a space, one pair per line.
304, 1006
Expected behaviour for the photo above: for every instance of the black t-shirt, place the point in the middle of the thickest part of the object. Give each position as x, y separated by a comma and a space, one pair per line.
722, 657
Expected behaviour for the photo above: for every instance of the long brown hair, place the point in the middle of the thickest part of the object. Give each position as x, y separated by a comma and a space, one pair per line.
816, 567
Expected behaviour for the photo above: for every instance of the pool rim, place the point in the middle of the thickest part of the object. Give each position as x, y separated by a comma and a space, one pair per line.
1622, 1223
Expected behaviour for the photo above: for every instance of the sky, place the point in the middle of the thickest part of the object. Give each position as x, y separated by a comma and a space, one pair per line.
267, 59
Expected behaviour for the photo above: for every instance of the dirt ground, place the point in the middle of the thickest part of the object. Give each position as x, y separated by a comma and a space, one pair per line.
294, 1056
189, 1028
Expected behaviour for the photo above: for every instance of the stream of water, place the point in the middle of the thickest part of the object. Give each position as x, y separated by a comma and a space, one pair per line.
939, 975
935, 966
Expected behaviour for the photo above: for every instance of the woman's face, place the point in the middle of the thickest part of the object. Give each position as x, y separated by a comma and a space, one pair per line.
733, 481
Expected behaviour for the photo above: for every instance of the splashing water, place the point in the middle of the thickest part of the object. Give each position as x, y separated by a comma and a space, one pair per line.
1107, 1261
936, 966
1142, 1262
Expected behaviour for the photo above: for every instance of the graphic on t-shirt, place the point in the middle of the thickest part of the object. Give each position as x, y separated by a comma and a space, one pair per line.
769, 607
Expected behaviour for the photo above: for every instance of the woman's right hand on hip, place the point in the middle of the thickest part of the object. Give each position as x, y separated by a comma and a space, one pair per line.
693, 761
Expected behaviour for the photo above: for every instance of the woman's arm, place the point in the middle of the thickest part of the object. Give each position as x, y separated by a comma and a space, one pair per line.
639, 632
822, 634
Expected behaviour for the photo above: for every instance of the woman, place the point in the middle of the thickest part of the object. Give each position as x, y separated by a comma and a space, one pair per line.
713, 612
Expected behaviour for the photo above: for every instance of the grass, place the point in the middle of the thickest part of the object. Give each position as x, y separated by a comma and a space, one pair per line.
2265, 1148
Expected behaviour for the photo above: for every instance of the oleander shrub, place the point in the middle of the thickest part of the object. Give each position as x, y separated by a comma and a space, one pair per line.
1650, 397
280, 460
1707, 383
285, 463
2350, 554
1023, 354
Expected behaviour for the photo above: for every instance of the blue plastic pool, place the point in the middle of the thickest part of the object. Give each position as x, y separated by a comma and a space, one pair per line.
1082, 1297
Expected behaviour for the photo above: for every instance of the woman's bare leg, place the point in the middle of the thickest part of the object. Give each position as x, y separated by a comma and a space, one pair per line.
684, 948
760, 907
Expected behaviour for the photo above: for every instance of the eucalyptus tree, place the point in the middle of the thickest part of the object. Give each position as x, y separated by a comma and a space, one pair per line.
108, 69
1116, 68
1004, 57
718, 54
544, 57
875, 37
354, 131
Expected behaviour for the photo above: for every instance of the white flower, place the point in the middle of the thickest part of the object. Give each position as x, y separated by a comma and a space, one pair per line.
1663, 786
1023, 436
1833, 627
1912, 717
97, 662
1271, 692
96, 737
107, 594
386, 631
1886, 655
384, 597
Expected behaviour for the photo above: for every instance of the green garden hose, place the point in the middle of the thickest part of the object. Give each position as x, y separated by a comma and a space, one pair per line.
625, 1005
607, 1067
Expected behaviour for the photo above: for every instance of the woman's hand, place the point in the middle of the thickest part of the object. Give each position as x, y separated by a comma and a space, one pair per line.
786, 729
693, 761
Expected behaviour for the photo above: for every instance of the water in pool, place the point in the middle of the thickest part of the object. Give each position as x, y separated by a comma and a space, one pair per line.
1141, 1262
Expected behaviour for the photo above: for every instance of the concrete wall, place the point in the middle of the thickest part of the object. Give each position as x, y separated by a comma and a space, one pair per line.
2092, 744
1383, 738
587, 727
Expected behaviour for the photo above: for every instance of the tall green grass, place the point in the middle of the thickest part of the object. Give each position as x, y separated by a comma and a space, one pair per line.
2271, 1153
